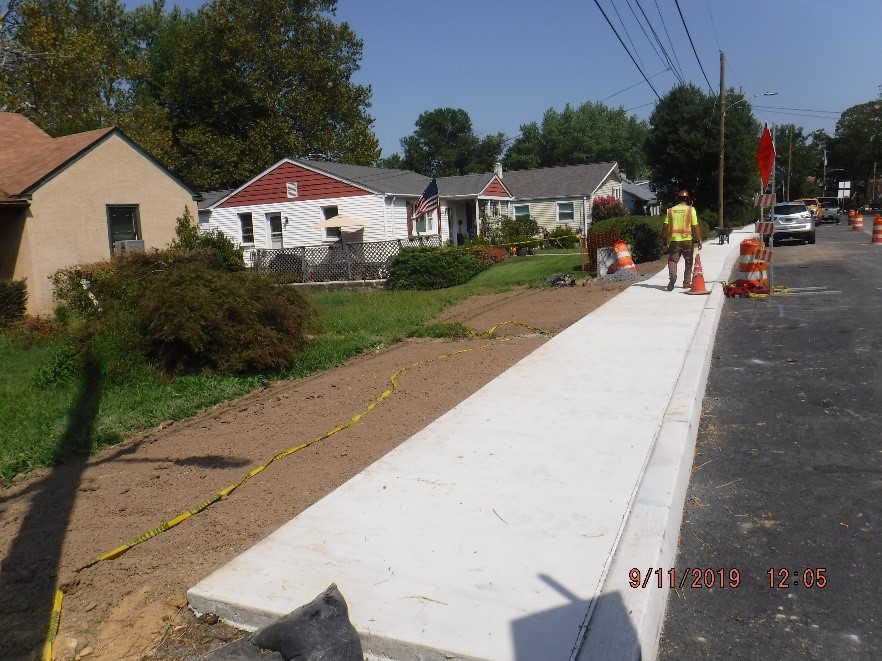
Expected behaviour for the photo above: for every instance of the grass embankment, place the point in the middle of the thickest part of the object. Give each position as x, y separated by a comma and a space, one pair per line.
42, 390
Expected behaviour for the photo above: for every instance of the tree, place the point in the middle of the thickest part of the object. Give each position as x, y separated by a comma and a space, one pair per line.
798, 163
857, 143
254, 82
590, 133
71, 63
444, 144
682, 148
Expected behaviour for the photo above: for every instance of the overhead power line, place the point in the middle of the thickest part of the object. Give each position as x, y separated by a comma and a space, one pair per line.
673, 51
667, 58
639, 68
691, 43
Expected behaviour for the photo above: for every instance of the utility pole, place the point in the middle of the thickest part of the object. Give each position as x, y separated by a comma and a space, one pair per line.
789, 160
722, 139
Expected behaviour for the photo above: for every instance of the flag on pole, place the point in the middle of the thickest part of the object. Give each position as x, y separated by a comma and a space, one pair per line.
428, 201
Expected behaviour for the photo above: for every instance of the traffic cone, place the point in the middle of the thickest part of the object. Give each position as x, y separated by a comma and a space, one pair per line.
698, 278
877, 229
858, 223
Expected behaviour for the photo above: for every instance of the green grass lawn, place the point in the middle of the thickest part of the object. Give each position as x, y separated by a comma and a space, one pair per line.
42, 393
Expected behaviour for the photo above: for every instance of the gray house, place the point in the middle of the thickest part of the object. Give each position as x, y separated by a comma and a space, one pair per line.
639, 199
561, 195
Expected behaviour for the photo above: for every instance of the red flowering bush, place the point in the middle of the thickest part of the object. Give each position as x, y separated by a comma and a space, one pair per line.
489, 255
607, 206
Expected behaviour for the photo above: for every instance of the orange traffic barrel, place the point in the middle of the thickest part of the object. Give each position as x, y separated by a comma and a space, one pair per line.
751, 269
851, 216
858, 222
623, 256
877, 229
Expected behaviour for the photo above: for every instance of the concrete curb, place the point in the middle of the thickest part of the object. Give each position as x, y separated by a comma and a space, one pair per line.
630, 627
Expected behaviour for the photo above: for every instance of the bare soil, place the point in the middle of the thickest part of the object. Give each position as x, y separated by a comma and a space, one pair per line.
134, 606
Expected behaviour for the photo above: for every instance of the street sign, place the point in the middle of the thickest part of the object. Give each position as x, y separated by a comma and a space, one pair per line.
765, 156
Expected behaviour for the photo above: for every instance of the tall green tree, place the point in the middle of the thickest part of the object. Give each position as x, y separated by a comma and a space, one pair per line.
589, 133
857, 144
260, 80
798, 163
445, 144
682, 148
72, 66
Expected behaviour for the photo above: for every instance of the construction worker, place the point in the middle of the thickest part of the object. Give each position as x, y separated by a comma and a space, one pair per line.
680, 232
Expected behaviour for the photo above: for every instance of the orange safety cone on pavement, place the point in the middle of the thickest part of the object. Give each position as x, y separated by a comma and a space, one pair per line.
698, 278
877, 229
858, 223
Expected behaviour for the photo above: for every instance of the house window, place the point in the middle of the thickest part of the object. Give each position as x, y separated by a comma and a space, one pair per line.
246, 224
332, 233
565, 212
123, 223
521, 211
425, 223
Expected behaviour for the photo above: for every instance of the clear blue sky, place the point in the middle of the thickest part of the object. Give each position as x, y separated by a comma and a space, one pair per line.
507, 62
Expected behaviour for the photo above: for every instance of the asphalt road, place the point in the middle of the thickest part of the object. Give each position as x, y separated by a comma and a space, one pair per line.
787, 476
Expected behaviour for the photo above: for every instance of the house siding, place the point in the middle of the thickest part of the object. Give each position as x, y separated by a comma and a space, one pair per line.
271, 187
66, 223
495, 189
386, 217
545, 212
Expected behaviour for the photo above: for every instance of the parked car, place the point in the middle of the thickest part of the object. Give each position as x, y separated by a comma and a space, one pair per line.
792, 220
875, 205
830, 209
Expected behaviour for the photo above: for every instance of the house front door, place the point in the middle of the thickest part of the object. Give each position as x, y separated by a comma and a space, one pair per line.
274, 229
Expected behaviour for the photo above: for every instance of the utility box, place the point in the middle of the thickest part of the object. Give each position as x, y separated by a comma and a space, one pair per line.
123, 247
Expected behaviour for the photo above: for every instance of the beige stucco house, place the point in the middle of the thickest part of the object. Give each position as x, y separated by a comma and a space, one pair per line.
77, 199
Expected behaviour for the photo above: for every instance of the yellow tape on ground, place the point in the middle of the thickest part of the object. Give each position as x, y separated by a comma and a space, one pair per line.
54, 621
118, 551
115, 553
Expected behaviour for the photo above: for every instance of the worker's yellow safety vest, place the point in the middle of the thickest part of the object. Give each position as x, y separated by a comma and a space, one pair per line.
680, 220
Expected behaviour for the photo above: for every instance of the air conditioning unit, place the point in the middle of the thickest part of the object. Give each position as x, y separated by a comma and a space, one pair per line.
123, 247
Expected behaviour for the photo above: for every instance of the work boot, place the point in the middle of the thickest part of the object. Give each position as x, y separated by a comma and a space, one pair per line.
687, 285
672, 280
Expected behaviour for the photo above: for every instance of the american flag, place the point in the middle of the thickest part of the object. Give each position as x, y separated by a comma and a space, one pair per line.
428, 201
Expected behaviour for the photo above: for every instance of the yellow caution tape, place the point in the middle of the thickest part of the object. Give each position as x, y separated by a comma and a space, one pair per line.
118, 551
54, 621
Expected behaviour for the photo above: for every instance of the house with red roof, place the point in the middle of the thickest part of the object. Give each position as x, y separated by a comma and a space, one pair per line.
295, 201
76, 199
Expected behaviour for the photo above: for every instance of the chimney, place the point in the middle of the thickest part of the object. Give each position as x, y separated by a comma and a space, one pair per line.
497, 169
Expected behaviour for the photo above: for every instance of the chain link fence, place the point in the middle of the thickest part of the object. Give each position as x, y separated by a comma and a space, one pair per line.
337, 261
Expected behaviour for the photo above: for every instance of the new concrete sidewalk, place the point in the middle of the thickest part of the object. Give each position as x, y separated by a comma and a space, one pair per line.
507, 527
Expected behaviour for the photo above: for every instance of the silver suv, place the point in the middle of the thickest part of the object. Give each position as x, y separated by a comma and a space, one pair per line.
792, 220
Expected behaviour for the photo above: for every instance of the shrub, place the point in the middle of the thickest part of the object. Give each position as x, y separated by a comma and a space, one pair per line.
13, 300
432, 268
224, 254
607, 206
562, 237
489, 255
193, 320
517, 227
642, 233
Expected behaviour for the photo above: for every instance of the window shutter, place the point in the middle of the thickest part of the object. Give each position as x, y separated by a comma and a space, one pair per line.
409, 207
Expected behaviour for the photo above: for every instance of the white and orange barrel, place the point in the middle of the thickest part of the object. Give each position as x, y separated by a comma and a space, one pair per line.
623, 256
877, 229
858, 222
851, 216
751, 268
